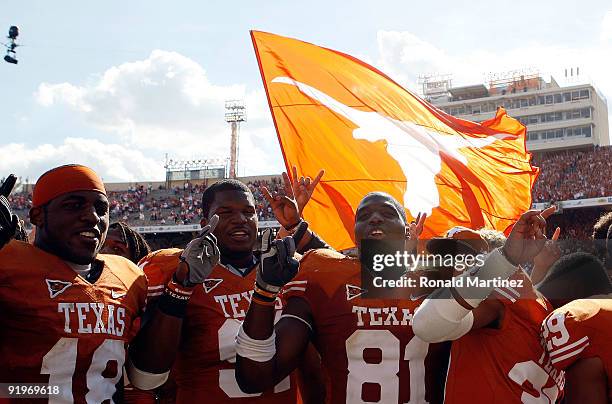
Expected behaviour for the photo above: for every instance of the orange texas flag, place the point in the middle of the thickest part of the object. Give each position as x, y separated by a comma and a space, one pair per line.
336, 112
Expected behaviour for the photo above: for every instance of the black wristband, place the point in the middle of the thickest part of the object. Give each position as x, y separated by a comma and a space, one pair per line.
172, 306
314, 243
293, 226
174, 300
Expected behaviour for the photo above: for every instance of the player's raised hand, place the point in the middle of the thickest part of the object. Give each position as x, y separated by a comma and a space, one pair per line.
201, 255
415, 229
527, 237
9, 222
303, 187
546, 258
277, 264
284, 207
550, 253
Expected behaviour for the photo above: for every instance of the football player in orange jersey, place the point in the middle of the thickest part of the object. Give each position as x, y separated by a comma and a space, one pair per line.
204, 368
495, 328
367, 345
122, 240
578, 335
67, 312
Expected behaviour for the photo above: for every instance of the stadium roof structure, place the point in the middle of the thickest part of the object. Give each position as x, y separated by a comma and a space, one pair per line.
469, 92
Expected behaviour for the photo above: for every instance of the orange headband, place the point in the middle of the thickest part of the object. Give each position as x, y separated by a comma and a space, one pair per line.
64, 179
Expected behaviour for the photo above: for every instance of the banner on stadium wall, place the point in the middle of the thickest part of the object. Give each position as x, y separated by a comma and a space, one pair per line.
336, 112
208, 173
577, 203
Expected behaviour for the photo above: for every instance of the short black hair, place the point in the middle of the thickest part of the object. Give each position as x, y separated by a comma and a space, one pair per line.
208, 196
398, 206
600, 229
575, 276
137, 245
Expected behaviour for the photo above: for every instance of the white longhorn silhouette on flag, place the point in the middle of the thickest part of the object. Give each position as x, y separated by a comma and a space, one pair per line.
415, 148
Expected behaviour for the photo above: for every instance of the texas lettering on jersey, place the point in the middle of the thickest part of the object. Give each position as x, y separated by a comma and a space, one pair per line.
57, 328
367, 345
107, 319
382, 316
205, 366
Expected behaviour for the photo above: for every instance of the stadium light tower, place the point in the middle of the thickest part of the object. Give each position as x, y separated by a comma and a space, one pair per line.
235, 112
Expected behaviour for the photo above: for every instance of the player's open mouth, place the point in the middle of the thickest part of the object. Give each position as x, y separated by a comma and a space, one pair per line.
239, 235
376, 234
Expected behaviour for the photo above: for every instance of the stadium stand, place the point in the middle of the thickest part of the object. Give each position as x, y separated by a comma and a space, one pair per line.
565, 175
142, 205
571, 174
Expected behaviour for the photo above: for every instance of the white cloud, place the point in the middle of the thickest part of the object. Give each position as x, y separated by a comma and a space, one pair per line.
405, 56
115, 163
167, 104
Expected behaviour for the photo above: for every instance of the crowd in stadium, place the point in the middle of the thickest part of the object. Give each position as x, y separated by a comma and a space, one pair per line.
145, 205
571, 174
565, 175
532, 291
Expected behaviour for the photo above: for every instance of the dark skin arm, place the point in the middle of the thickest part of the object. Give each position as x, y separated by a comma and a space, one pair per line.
586, 382
160, 333
488, 314
288, 208
311, 380
292, 338
298, 191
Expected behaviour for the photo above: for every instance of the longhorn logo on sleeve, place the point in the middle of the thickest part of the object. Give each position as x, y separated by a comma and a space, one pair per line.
56, 287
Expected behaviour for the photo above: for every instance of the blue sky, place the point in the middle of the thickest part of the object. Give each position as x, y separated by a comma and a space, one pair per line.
116, 85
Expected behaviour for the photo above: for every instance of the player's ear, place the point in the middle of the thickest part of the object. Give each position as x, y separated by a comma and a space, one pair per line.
37, 216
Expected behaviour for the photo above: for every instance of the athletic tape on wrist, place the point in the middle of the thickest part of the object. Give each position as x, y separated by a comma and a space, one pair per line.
441, 318
255, 349
144, 380
495, 266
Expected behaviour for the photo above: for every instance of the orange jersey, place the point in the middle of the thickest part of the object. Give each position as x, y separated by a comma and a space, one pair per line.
132, 395
505, 364
204, 369
367, 345
57, 328
580, 329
